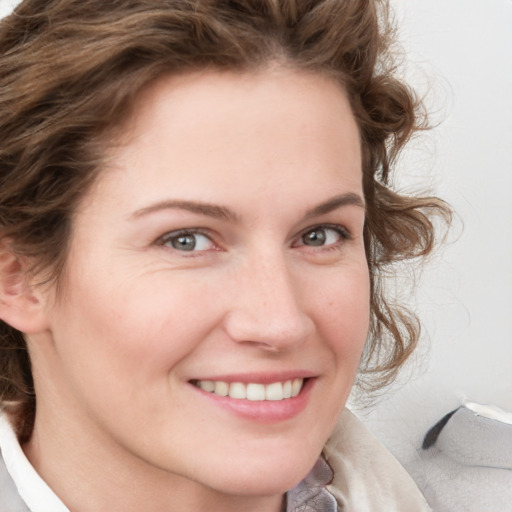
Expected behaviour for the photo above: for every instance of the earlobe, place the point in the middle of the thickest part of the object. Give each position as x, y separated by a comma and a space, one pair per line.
21, 304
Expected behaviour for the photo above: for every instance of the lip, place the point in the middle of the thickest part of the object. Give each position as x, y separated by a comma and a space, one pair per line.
258, 378
266, 411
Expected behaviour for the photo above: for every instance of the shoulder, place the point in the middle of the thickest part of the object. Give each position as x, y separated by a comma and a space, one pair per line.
367, 478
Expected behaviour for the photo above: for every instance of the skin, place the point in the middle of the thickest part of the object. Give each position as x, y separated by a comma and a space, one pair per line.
119, 426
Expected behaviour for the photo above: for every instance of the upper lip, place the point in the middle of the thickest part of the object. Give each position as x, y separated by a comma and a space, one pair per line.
259, 378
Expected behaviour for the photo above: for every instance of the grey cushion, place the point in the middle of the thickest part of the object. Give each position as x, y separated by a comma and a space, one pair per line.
466, 464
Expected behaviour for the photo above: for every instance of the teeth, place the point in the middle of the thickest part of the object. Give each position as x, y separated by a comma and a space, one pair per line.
274, 391
207, 385
296, 386
287, 389
253, 391
221, 388
237, 390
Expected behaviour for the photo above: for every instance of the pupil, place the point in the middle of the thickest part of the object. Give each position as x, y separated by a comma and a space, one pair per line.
315, 238
184, 242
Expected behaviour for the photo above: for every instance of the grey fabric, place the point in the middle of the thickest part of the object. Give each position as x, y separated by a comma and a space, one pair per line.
10, 500
310, 495
466, 465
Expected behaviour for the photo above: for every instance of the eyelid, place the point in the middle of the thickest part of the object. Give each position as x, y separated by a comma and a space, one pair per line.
167, 237
341, 230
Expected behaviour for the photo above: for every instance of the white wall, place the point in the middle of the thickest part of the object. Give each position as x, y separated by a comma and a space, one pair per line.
461, 51
6, 6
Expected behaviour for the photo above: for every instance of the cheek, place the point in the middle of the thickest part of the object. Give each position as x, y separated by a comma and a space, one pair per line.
344, 314
139, 328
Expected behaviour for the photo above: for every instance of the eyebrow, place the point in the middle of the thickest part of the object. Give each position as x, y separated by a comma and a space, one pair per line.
223, 213
349, 199
207, 209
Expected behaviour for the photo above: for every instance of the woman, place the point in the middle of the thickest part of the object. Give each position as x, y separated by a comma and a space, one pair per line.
195, 218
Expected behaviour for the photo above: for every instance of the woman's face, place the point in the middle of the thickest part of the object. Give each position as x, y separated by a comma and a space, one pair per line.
220, 252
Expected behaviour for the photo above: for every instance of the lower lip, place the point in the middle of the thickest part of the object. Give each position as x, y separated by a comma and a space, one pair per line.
263, 411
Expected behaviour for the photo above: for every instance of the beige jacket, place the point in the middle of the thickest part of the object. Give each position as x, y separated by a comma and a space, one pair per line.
367, 478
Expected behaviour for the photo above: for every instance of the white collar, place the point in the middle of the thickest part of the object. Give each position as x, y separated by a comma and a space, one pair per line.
31, 487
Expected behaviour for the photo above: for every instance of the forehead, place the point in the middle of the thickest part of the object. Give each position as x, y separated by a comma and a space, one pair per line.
219, 131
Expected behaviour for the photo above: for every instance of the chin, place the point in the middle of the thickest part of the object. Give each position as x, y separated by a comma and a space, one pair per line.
264, 476
261, 484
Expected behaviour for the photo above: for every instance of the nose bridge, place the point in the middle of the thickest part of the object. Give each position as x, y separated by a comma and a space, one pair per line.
268, 308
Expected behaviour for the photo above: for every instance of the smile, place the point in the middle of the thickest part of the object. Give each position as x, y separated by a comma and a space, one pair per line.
252, 391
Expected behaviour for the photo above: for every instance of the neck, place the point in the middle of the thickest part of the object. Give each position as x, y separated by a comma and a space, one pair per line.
88, 478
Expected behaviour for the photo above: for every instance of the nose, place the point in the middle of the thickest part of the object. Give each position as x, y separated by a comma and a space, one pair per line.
267, 306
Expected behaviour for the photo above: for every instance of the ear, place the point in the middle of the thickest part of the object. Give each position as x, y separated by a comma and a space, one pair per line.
22, 305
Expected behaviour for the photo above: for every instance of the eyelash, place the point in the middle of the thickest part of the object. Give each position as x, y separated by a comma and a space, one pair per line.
174, 235
343, 233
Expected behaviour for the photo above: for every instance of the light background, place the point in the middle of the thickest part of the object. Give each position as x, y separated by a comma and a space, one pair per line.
6, 6
459, 53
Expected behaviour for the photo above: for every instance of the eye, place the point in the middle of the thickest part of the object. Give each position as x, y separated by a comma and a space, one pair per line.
187, 241
322, 236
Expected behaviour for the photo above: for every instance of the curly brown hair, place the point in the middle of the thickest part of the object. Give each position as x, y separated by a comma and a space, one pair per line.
71, 69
